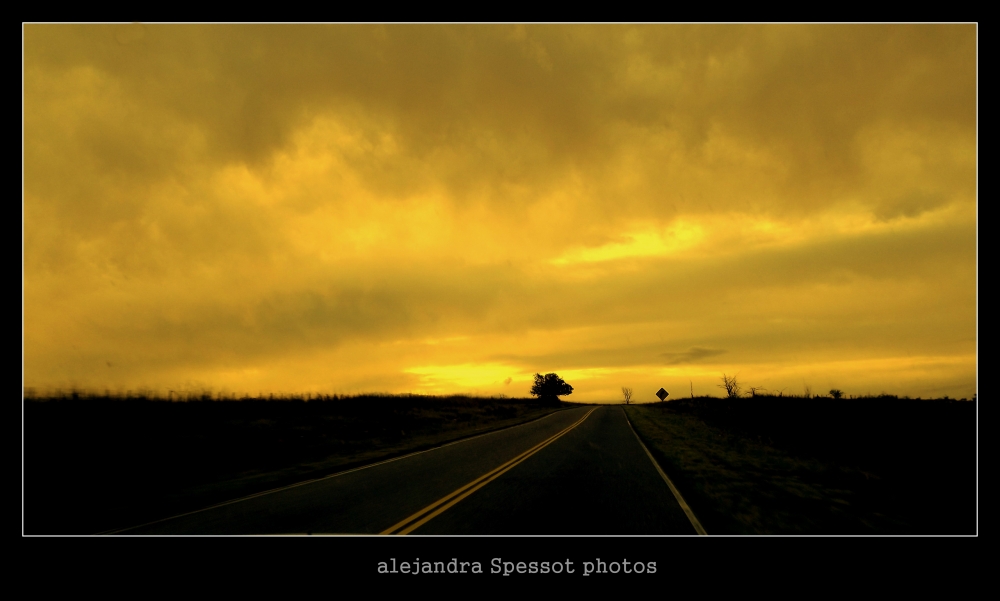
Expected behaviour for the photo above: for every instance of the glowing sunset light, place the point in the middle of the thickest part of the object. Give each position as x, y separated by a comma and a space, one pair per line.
451, 209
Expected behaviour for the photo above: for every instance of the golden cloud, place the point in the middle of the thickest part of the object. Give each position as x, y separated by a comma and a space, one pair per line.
304, 207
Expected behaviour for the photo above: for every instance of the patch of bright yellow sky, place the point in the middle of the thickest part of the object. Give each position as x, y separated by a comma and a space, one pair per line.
450, 209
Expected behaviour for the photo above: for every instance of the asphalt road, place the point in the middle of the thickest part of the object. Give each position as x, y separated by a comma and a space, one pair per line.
579, 471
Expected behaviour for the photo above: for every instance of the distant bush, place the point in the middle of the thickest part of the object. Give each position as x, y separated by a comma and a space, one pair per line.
732, 386
550, 387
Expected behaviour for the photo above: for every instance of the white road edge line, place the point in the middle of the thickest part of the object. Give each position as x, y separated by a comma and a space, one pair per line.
343, 473
677, 494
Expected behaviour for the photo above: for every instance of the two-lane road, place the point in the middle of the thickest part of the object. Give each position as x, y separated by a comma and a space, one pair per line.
578, 471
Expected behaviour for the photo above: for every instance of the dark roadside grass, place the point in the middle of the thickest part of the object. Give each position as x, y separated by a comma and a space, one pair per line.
770, 465
100, 463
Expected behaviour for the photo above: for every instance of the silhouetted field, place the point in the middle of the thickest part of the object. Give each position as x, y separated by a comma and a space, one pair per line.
97, 463
770, 465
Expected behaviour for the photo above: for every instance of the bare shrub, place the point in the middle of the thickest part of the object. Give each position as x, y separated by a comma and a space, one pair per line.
627, 393
731, 385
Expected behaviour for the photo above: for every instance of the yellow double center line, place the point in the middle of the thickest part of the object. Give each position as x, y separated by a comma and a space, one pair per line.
438, 507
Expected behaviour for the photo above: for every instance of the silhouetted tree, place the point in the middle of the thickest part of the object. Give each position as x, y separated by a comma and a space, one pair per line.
627, 393
836, 393
550, 387
733, 388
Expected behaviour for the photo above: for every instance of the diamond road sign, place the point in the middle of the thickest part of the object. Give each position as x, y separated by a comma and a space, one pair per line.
662, 394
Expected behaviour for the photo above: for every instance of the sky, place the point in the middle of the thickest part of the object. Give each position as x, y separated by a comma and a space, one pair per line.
439, 209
